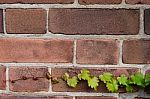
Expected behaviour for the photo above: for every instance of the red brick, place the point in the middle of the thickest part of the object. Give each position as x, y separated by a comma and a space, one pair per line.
147, 21
94, 21
2, 77
95, 97
37, 1
82, 86
136, 51
1, 21
25, 21
100, 1
4, 96
36, 50
97, 52
138, 1
28, 79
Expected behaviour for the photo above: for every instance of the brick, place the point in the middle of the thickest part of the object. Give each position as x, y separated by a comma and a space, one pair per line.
95, 97
147, 21
82, 86
25, 21
2, 77
36, 50
100, 1
1, 21
94, 21
136, 51
4, 96
97, 52
38, 1
138, 1
28, 79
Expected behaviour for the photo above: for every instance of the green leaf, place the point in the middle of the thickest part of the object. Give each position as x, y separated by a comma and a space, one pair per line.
93, 83
129, 88
138, 79
65, 77
85, 75
106, 77
147, 79
123, 80
112, 86
72, 82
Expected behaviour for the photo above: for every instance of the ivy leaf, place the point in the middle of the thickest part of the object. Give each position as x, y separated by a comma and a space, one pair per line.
112, 86
65, 77
85, 75
72, 82
138, 79
93, 83
147, 79
123, 80
106, 77
129, 88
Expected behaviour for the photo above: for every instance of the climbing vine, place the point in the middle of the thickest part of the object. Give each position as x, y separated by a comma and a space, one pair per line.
112, 83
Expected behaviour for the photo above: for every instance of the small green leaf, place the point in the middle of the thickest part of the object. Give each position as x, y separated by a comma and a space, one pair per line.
65, 77
112, 86
122, 80
93, 83
72, 82
85, 75
147, 79
106, 77
129, 88
138, 79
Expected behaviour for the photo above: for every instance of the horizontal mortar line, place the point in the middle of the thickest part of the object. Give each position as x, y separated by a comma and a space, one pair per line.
46, 6
61, 36
67, 65
60, 94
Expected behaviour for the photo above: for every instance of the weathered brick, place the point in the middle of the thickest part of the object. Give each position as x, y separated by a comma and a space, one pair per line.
147, 21
5, 96
28, 79
25, 21
1, 21
38, 1
36, 50
82, 86
138, 1
2, 77
97, 52
100, 1
95, 97
94, 21
136, 51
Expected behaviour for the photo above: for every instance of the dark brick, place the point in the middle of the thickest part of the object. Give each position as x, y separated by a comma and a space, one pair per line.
1, 21
94, 21
97, 52
2, 77
82, 86
136, 51
138, 1
95, 97
100, 1
25, 21
37, 1
36, 50
28, 79
147, 21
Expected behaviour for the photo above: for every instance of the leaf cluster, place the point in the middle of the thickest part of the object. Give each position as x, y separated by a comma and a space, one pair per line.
112, 83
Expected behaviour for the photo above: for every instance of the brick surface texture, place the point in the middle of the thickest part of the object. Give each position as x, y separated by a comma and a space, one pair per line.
37, 1
94, 21
36, 50
41, 40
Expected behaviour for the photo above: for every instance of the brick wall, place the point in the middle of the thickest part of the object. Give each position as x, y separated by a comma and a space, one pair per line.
53, 36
